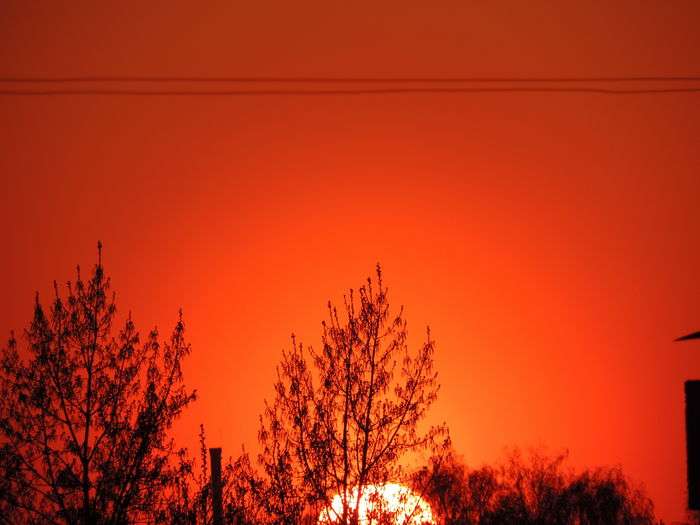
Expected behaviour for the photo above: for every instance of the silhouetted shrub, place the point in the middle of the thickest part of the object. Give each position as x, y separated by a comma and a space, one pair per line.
537, 490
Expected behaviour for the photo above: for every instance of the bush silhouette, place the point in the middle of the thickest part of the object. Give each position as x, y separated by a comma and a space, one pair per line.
531, 491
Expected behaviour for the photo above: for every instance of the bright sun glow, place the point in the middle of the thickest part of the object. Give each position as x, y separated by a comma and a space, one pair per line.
378, 502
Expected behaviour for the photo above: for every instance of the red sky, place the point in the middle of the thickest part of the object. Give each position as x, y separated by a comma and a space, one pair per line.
550, 240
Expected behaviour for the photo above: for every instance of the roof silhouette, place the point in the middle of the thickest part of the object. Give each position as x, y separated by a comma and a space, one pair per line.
694, 335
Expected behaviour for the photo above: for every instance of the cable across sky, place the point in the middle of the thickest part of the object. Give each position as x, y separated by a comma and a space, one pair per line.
94, 85
343, 79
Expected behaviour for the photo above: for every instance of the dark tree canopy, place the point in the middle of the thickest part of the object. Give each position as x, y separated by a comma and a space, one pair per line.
84, 412
346, 414
537, 490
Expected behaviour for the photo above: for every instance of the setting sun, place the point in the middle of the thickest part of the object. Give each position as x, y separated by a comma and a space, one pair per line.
379, 503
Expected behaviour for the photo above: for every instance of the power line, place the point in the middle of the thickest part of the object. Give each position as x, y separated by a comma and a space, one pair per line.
613, 85
338, 92
343, 80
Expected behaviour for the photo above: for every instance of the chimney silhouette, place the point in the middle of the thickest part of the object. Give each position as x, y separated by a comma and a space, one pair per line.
692, 434
692, 441
217, 504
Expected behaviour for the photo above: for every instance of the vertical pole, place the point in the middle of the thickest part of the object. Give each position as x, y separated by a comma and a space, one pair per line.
692, 441
217, 504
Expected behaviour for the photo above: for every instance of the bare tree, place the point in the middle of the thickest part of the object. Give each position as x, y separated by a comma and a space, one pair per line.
345, 415
85, 412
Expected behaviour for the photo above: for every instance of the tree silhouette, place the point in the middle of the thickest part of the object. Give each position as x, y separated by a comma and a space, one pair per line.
532, 491
84, 412
343, 416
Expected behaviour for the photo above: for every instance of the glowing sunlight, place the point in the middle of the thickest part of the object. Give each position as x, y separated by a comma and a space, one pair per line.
387, 503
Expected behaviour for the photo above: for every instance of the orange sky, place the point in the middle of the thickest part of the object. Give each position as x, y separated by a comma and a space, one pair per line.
550, 240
